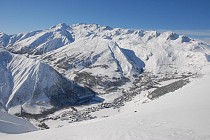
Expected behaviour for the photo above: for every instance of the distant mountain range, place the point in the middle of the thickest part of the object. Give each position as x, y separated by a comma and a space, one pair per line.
38, 68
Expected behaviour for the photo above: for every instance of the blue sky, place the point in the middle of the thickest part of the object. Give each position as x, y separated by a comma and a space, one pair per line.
185, 16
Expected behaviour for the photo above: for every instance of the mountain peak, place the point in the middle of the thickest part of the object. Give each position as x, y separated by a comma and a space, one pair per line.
60, 26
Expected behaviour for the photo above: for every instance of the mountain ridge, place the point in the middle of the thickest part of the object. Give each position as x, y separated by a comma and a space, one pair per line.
101, 58
63, 34
35, 87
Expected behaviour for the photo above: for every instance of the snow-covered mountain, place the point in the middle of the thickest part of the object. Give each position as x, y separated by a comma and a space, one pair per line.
30, 86
183, 114
129, 69
38, 42
106, 58
4, 39
109, 58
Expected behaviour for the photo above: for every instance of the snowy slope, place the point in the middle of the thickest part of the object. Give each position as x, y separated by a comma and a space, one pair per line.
101, 57
14, 125
41, 41
183, 114
105, 58
157, 50
113, 62
4, 39
96, 63
34, 87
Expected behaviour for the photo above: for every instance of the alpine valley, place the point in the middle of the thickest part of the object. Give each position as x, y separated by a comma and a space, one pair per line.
87, 81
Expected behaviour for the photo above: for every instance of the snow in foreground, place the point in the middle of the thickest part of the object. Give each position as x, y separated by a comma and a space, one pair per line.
184, 114
13, 124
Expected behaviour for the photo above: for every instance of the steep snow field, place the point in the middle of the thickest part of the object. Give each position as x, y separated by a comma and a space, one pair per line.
30, 86
38, 42
184, 114
14, 125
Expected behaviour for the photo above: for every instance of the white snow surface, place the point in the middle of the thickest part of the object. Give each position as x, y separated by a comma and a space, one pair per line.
88, 46
183, 114
40, 41
20, 77
27, 84
14, 125
129, 51
109, 53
